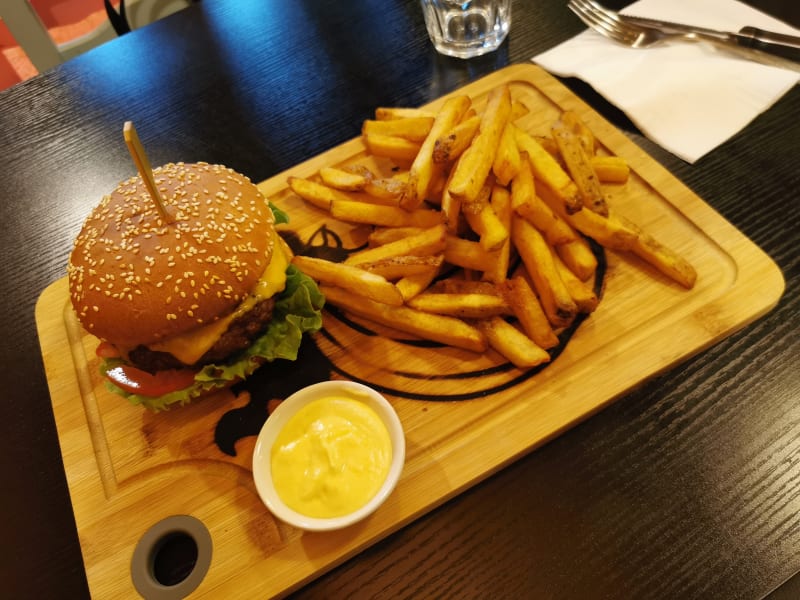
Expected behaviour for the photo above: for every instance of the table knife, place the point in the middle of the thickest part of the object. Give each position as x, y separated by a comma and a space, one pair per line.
779, 44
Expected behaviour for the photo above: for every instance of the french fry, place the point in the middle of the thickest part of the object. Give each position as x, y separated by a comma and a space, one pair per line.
411, 285
530, 207
343, 180
611, 169
387, 113
574, 123
350, 278
465, 306
452, 144
358, 169
477, 160
523, 186
436, 186
507, 157
548, 144
468, 114
385, 235
477, 204
451, 206
579, 167
555, 229
385, 189
528, 310
584, 296
318, 194
398, 267
488, 226
452, 285
388, 216
451, 210
510, 342
578, 257
546, 168
400, 176
608, 231
556, 300
666, 260
395, 148
501, 205
544, 165
447, 330
467, 254
422, 168
429, 241
415, 129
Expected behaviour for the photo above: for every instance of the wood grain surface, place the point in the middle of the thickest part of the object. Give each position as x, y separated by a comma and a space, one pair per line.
686, 486
119, 458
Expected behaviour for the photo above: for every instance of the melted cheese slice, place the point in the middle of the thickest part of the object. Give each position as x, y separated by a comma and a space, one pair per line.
189, 347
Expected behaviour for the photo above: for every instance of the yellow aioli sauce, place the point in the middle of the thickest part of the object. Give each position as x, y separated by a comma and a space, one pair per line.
331, 457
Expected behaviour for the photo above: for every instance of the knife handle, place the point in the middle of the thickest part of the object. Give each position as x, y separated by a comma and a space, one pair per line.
760, 35
778, 44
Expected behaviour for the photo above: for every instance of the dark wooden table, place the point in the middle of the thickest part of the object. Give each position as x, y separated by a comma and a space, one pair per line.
688, 487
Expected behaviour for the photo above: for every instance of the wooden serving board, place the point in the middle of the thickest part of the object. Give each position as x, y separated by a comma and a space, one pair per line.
128, 468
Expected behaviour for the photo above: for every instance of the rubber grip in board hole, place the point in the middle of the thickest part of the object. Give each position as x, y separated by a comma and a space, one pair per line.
171, 558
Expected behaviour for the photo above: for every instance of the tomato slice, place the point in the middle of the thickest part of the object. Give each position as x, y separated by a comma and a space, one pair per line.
106, 350
137, 381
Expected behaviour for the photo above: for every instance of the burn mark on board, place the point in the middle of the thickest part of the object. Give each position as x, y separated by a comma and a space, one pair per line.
276, 380
323, 243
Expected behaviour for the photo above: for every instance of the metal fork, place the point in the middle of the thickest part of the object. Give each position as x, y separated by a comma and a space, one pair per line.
615, 27
610, 24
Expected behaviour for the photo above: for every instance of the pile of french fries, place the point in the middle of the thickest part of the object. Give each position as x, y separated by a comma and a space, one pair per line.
471, 194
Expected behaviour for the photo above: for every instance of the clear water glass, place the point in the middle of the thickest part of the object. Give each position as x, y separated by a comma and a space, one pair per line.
468, 28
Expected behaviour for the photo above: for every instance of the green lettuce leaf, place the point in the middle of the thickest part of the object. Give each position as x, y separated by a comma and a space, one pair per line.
298, 310
280, 216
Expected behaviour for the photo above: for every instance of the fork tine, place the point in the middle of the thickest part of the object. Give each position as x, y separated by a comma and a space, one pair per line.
612, 18
602, 26
612, 28
602, 10
602, 14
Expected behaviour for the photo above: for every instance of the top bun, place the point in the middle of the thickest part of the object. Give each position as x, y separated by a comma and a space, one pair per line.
134, 279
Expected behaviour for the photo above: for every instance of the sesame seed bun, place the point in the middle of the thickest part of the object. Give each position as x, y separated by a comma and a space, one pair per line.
135, 280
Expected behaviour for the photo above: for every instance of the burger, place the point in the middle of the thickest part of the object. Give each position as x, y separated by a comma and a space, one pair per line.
193, 295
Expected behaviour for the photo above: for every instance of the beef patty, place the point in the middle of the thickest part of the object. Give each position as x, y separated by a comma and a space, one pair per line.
239, 335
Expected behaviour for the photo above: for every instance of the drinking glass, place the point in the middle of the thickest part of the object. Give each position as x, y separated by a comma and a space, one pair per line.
467, 28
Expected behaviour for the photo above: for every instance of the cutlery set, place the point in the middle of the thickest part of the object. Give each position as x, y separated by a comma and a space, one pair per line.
766, 47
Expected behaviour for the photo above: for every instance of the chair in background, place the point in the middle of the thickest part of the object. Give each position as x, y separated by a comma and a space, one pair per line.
32, 36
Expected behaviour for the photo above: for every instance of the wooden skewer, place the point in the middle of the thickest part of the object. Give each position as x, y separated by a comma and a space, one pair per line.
143, 166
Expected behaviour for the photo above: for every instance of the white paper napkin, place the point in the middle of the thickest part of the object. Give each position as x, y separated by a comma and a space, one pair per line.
687, 97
